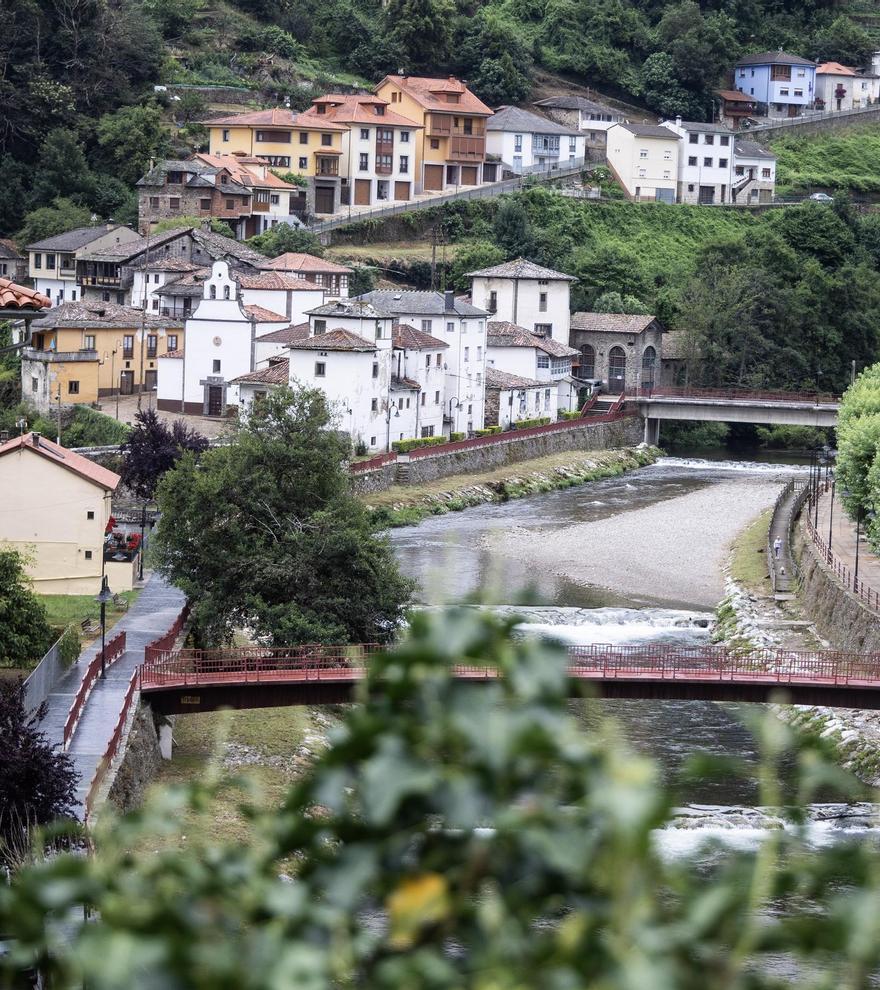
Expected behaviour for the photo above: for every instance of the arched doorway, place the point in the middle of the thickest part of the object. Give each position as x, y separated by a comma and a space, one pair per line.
616, 370
649, 365
587, 367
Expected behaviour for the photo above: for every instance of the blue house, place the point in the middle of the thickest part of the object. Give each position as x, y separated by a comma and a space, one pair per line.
783, 85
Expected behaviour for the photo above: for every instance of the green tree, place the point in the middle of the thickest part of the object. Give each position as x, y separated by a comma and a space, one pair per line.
62, 170
614, 302
174, 223
266, 533
471, 257
660, 88
14, 179
423, 31
130, 137
47, 221
512, 229
843, 41
174, 17
361, 280
284, 237
24, 630
608, 267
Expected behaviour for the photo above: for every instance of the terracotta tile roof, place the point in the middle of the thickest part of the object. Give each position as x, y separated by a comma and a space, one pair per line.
287, 335
14, 296
408, 338
238, 167
262, 315
294, 261
505, 334
334, 340
502, 379
64, 458
358, 108
520, 268
277, 373
279, 117
734, 96
834, 69
273, 280
430, 92
611, 322
404, 384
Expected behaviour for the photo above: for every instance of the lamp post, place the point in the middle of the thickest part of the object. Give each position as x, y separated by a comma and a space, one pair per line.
103, 596
831, 513
141, 547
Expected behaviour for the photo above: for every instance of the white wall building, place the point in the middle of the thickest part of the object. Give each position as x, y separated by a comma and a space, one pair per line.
418, 368
512, 398
705, 161
523, 140
754, 173
148, 280
644, 160
518, 351
840, 87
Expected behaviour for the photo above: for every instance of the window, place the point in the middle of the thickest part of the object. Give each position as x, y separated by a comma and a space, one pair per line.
303, 163
156, 279
274, 199
404, 137
722, 163
384, 162
423, 398
224, 178
277, 161
450, 327
365, 134
273, 137
740, 170
304, 137
798, 92
35, 384
89, 342
155, 304
230, 204
464, 326
543, 360
517, 142
690, 187
546, 398
374, 405
544, 329
435, 144
128, 346
572, 144
319, 326
427, 361
694, 138
707, 162
215, 365
724, 140
152, 340
783, 92
765, 173
404, 164
427, 325
643, 172
225, 135
172, 341
643, 153
320, 369
437, 398
742, 73
667, 155
542, 302
90, 514
709, 139
73, 388
326, 140
38, 261
364, 162
88, 554
375, 369
50, 260
667, 174
780, 73
479, 355
174, 203
692, 160
427, 431
372, 441
154, 202
467, 354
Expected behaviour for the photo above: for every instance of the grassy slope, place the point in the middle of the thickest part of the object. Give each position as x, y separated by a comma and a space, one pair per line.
748, 562
62, 610
837, 160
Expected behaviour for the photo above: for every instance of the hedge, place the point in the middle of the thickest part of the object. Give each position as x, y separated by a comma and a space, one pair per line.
402, 446
565, 414
527, 424
488, 431
455, 437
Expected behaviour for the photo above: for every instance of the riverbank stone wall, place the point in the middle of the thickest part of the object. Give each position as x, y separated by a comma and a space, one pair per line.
140, 762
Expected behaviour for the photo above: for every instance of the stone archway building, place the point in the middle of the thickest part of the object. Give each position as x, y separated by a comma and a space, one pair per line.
625, 349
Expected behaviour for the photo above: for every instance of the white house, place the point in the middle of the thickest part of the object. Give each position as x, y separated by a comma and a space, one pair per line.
463, 327
527, 295
644, 160
516, 350
754, 173
705, 162
147, 281
523, 140
418, 367
512, 398
272, 344
840, 87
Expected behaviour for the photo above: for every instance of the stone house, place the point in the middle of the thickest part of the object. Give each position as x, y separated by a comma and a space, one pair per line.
620, 350
512, 398
586, 115
13, 264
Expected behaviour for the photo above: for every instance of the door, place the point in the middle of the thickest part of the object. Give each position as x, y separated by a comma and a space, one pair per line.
126, 382
215, 400
517, 164
707, 194
433, 177
362, 192
150, 380
325, 199
401, 190
616, 370
649, 365
469, 175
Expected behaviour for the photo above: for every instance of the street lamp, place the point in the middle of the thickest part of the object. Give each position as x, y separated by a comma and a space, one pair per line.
831, 513
104, 595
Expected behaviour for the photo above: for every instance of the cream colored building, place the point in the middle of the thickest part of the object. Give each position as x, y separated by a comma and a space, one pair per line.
54, 507
644, 159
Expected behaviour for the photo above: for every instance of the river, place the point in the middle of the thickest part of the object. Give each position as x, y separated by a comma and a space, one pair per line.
629, 560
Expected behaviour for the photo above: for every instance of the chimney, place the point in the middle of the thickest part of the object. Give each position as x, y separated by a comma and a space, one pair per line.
35, 438
449, 301
678, 121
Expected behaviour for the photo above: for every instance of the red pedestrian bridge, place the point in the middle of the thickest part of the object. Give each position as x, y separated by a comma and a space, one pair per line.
176, 682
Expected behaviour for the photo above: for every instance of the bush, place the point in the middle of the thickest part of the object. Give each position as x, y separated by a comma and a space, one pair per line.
69, 646
403, 446
90, 428
489, 431
564, 414
526, 424
455, 437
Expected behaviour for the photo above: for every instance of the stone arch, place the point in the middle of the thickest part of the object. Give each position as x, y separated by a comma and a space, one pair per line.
649, 366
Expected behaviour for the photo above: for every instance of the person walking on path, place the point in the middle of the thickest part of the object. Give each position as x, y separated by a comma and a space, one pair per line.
777, 547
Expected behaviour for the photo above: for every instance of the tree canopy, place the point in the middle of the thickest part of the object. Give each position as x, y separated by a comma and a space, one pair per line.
153, 447
24, 629
264, 532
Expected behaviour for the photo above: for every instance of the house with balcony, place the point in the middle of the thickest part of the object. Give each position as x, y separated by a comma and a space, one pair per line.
301, 144
735, 108
840, 87
588, 116
450, 142
83, 351
782, 85
522, 352
332, 277
644, 160
754, 173
52, 261
525, 141
378, 148
705, 162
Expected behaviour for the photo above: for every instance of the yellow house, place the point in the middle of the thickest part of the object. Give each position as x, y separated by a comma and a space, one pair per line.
55, 508
451, 145
289, 142
83, 351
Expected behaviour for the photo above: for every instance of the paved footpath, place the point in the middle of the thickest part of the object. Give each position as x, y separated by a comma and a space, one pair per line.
843, 541
152, 615
779, 530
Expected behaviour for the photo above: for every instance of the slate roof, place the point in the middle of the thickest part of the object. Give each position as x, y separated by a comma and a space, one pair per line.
9, 251
262, 315
64, 458
334, 340
220, 248
97, 313
505, 334
508, 118
201, 175
14, 296
428, 92
702, 126
402, 302
674, 346
578, 103
358, 307
520, 268
404, 385
170, 265
277, 373
73, 240
611, 322
295, 261
279, 117
357, 108
650, 130
503, 380
751, 149
287, 335
408, 338
774, 58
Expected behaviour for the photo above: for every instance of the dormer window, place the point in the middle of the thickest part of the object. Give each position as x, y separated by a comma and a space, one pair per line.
452, 98
223, 178
380, 110
321, 108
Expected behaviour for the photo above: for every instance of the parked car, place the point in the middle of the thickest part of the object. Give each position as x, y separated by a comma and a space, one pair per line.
821, 198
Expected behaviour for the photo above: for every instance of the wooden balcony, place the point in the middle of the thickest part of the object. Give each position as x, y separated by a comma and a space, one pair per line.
443, 126
327, 166
467, 149
259, 207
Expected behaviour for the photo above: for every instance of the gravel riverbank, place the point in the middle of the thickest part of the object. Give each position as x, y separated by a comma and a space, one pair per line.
672, 551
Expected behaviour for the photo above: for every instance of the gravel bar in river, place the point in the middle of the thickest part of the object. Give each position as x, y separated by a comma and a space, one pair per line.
672, 550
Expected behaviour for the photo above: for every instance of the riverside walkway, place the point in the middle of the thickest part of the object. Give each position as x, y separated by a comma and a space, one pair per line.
154, 612
835, 523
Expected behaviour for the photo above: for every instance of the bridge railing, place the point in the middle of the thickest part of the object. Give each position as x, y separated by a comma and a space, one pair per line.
734, 394
113, 650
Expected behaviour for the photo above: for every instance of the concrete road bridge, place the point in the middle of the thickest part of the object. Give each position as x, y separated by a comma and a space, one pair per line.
177, 682
733, 406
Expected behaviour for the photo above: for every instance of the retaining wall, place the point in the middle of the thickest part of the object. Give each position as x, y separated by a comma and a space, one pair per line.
819, 125
838, 616
140, 764
377, 480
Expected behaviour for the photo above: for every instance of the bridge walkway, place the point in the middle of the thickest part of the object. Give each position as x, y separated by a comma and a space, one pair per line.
154, 612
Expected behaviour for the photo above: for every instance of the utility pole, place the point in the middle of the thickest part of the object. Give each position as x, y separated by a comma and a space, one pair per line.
144, 275
58, 438
433, 258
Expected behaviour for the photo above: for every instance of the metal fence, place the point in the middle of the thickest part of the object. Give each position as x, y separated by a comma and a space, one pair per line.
43, 678
811, 117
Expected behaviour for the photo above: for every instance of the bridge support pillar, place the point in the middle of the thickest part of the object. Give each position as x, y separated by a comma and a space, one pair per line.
652, 431
165, 740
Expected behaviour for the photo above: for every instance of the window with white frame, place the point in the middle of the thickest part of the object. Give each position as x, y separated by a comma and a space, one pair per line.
365, 134
643, 153
427, 326
543, 360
